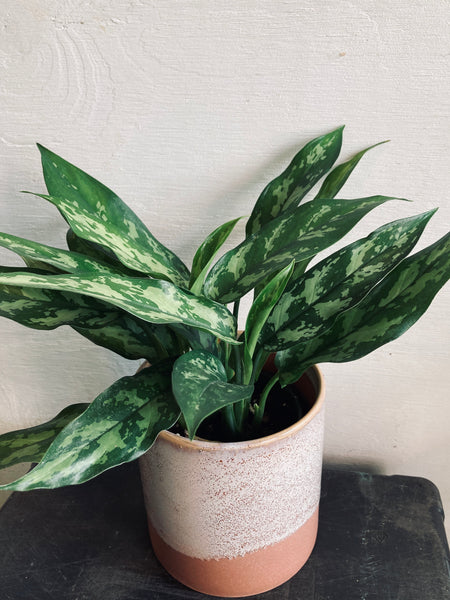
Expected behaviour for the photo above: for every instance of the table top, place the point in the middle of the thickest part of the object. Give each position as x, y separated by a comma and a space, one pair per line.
379, 537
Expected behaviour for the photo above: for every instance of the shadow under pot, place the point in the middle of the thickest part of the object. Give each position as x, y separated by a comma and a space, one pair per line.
237, 518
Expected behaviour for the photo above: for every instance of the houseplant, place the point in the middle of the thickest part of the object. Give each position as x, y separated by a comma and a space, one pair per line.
122, 289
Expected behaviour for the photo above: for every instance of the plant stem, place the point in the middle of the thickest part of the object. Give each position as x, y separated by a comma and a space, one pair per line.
259, 412
258, 364
230, 419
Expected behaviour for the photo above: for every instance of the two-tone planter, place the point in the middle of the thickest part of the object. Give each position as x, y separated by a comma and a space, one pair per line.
236, 519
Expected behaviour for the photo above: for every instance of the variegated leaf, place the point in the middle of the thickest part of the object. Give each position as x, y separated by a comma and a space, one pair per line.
30, 445
289, 188
206, 252
70, 262
335, 180
37, 265
384, 314
47, 309
197, 339
99, 254
134, 339
263, 305
149, 299
299, 234
199, 383
96, 213
118, 426
311, 304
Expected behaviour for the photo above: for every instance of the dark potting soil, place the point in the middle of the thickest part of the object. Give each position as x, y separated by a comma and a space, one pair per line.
284, 407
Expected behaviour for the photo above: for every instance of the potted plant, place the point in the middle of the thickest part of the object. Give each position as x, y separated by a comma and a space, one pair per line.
232, 481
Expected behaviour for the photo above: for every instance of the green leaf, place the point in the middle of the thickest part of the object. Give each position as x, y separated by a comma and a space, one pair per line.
133, 338
311, 304
99, 254
384, 314
198, 339
299, 234
29, 445
339, 175
37, 265
152, 300
199, 383
47, 309
97, 214
263, 305
206, 252
289, 188
71, 262
118, 426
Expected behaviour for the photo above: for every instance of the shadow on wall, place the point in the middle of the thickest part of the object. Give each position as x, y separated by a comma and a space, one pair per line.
10, 474
372, 468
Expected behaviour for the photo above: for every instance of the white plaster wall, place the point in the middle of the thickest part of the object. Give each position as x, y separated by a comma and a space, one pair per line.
187, 109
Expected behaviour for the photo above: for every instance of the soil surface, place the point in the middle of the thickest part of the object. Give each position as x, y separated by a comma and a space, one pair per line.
284, 407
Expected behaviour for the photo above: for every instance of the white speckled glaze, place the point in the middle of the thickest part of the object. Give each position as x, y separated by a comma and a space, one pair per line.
223, 500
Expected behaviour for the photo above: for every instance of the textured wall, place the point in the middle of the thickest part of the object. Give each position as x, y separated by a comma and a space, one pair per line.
186, 109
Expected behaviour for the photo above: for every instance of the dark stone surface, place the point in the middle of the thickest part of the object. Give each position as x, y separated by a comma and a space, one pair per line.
380, 538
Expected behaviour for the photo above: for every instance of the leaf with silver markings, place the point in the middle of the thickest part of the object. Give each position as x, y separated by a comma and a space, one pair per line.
118, 426
199, 383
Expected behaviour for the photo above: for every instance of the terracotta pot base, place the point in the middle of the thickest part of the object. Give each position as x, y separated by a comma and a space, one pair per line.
253, 573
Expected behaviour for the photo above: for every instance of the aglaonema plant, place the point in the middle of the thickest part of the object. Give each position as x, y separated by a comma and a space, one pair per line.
118, 286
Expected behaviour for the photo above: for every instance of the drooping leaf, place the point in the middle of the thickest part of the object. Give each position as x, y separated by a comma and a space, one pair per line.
335, 180
289, 188
30, 445
152, 300
70, 262
47, 309
118, 426
197, 339
263, 305
311, 304
299, 234
206, 252
199, 383
133, 338
384, 314
97, 214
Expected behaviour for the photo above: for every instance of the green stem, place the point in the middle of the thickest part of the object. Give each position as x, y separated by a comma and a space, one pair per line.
230, 419
258, 364
259, 412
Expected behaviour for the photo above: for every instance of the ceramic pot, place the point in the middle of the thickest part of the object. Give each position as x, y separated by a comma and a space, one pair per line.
237, 519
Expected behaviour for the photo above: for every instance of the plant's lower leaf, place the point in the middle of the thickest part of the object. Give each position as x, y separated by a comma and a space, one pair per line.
336, 179
289, 188
30, 445
152, 300
197, 339
134, 339
47, 309
310, 305
385, 313
199, 383
70, 262
299, 234
118, 426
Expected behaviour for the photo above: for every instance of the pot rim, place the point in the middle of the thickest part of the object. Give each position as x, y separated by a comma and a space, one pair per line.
316, 378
